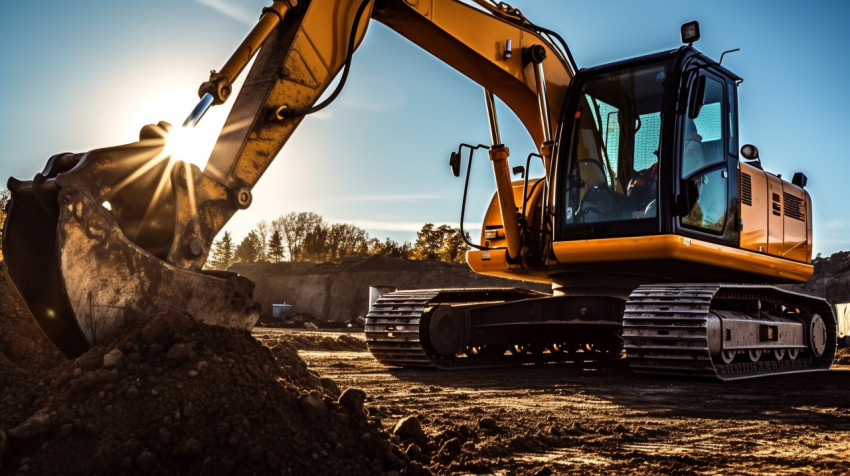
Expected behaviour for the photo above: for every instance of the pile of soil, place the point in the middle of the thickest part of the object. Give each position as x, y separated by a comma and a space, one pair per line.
172, 396
24, 348
831, 278
306, 340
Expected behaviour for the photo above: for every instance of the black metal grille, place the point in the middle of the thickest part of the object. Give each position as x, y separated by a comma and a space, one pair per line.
746, 189
794, 207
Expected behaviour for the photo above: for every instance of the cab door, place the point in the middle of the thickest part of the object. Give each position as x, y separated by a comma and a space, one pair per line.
707, 160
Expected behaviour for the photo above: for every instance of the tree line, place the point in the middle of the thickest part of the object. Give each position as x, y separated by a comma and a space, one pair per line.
306, 236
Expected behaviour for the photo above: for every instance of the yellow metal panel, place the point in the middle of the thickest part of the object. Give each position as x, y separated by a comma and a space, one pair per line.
775, 228
753, 215
678, 248
794, 217
495, 263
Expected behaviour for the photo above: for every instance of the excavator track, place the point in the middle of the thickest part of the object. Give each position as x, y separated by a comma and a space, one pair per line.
397, 331
667, 330
392, 329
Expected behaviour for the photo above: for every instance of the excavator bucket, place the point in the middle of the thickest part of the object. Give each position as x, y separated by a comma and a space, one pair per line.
88, 242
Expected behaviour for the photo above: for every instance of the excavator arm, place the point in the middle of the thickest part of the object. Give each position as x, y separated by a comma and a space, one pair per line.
103, 239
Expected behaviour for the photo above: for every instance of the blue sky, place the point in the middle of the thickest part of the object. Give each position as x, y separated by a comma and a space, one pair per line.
79, 75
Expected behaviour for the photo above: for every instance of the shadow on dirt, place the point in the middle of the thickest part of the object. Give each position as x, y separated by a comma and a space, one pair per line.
815, 399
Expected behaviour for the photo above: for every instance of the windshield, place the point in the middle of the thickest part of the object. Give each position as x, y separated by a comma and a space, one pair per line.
612, 171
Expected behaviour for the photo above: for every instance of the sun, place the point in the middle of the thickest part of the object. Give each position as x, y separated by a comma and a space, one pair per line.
188, 145
192, 145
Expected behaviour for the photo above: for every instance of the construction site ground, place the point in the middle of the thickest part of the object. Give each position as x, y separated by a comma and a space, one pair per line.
602, 419
171, 396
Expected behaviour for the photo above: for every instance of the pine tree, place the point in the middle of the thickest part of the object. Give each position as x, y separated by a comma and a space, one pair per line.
221, 255
276, 246
250, 249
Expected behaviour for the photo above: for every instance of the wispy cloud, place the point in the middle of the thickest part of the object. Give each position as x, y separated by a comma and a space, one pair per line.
232, 10
381, 225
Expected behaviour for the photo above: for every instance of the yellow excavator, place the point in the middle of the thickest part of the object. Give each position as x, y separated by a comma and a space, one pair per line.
647, 212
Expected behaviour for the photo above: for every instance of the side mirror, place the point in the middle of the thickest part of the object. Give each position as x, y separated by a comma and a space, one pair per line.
697, 97
454, 163
750, 152
519, 170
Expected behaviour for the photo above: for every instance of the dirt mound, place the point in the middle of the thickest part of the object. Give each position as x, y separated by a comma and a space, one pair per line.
174, 396
23, 346
312, 341
341, 292
831, 278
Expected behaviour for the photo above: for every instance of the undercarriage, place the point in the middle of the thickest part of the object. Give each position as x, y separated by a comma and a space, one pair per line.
704, 330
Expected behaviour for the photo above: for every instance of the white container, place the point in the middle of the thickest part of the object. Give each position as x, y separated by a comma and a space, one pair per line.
375, 293
278, 309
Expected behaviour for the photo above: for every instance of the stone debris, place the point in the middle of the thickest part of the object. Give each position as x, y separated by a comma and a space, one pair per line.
172, 396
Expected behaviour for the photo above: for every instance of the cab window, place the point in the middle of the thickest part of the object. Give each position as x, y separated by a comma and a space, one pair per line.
704, 157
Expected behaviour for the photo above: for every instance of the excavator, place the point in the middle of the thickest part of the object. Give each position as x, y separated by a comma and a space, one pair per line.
661, 236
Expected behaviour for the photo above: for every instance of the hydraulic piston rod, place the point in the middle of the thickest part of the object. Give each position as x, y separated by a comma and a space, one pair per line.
218, 88
504, 189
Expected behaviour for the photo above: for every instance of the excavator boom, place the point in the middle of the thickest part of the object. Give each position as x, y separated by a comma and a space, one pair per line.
122, 233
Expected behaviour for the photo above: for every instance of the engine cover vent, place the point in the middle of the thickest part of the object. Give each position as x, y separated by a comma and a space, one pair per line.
746, 189
794, 207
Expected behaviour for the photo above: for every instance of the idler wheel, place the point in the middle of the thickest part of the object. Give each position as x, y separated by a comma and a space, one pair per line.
817, 335
446, 331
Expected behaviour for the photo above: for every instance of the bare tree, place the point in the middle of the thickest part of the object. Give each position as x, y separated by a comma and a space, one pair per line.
262, 230
295, 228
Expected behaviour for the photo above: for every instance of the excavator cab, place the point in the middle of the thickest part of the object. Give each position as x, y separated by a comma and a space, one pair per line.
649, 146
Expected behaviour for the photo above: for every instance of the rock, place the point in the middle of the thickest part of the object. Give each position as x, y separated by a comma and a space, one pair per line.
314, 407
450, 449
414, 451
35, 426
409, 428
164, 434
190, 449
146, 461
66, 429
2, 444
179, 353
113, 359
256, 454
164, 326
352, 399
487, 423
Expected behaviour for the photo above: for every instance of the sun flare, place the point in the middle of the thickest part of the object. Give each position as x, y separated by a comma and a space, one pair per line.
192, 145
188, 145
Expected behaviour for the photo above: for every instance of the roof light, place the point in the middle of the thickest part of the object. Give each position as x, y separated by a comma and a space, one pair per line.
690, 32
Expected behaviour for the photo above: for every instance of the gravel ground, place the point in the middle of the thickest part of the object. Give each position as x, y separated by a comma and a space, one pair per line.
569, 419
175, 397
